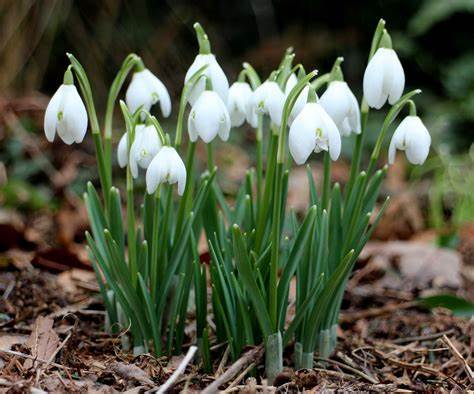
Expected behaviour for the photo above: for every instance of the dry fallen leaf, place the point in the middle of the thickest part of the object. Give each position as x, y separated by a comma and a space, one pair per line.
43, 341
7, 341
130, 371
418, 262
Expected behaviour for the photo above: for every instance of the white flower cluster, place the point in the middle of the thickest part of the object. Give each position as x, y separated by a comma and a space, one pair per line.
314, 125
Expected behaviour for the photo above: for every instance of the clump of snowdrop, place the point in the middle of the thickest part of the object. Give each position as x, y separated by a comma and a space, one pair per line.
147, 267
66, 114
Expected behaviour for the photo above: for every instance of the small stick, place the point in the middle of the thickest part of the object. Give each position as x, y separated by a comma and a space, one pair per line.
363, 375
181, 367
223, 362
252, 355
18, 354
460, 358
240, 377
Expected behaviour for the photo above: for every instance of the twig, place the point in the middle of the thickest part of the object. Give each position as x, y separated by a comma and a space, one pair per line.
181, 367
460, 358
13, 353
363, 375
223, 361
253, 355
350, 317
423, 337
240, 377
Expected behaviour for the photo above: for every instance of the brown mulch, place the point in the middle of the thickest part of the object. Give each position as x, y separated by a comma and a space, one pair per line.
386, 343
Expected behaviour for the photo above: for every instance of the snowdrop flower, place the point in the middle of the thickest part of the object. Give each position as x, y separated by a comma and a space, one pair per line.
122, 149
383, 78
144, 90
300, 101
341, 105
144, 147
313, 130
66, 113
266, 99
208, 118
411, 136
168, 167
237, 102
213, 71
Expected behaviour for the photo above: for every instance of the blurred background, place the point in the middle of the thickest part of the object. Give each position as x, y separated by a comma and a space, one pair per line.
433, 39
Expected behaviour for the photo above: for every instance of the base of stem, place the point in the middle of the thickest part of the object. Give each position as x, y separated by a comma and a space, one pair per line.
273, 356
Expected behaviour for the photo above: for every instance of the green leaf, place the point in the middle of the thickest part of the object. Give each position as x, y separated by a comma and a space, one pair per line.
459, 306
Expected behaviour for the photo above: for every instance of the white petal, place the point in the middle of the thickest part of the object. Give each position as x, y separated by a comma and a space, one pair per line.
274, 103
139, 93
177, 172
374, 80
157, 171
397, 79
418, 140
207, 116
301, 139
158, 88
290, 83
51, 114
75, 113
238, 101
213, 71
122, 154
299, 104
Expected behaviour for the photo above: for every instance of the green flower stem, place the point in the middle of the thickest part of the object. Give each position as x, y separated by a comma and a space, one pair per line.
129, 63
154, 247
185, 201
252, 75
131, 235
86, 91
326, 180
210, 156
259, 138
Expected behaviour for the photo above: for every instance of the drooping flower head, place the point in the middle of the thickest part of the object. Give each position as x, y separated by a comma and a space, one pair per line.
213, 71
313, 130
411, 136
208, 118
384, 78
266, 99
167, 167
145, 90
341, 105
238, 100
66, 113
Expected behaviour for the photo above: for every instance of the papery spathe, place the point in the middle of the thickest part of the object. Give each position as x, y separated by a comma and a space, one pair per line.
238, 100
145, 90
341, 105
214, 72
66, 115
208, 118
383, 78
168, 167
313, 130
413, 137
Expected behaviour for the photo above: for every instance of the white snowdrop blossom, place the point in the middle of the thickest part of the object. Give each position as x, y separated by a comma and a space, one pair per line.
412, 136
313, 130
341, 105
168, 167
145, 146
66, 115
214, 72
240, 94
383, 78
267, 99
208, 118
300, 101
145, 90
